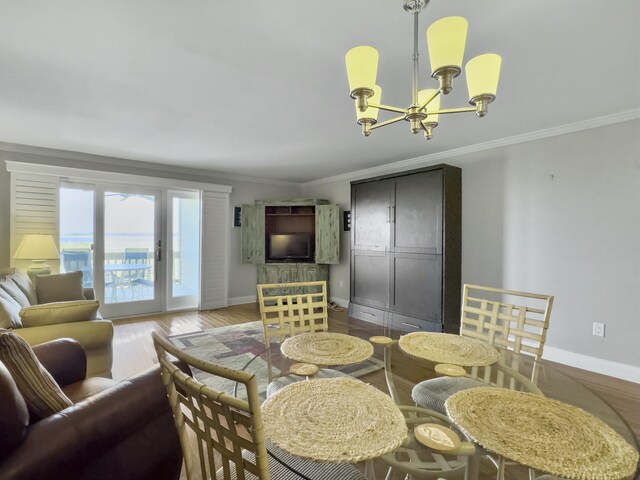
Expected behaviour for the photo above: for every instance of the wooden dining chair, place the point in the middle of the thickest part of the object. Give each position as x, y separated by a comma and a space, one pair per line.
517, 321
287, 309
223, 437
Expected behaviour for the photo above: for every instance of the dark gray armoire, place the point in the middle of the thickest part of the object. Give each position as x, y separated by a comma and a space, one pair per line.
406, 250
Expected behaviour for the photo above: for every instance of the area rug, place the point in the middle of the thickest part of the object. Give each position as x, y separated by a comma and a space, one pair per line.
239, 347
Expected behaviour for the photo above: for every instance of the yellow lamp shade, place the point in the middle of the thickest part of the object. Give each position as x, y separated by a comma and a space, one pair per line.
433, 106
370, 113
362, 67
447, 38
483, 73
37, 246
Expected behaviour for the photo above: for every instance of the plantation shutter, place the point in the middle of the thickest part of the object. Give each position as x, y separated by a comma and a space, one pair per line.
34, 209
215, 232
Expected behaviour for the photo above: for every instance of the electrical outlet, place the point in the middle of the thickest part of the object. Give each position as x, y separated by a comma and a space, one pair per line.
598, 329
341, 283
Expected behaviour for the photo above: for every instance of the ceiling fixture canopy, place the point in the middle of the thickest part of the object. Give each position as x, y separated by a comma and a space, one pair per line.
446, 39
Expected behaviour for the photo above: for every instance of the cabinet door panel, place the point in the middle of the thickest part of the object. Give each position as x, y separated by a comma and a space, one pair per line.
370, 205
252, 249
417, 216
418, 286
328, 234
370, 278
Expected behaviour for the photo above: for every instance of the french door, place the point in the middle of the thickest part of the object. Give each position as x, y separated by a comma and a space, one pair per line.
183, 250
113, 235
128, 250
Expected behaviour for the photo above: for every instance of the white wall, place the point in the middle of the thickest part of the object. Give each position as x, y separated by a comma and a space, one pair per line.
561, 216
242, 278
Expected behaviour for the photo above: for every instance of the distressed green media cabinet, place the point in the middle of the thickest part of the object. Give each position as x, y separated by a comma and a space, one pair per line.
291, 240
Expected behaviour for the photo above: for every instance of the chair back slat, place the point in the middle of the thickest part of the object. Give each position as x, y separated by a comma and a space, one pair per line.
304, 310
509, 319
221, 425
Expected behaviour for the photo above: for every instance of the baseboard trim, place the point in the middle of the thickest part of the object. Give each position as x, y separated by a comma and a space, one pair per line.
623, 371
341, 302
243, 300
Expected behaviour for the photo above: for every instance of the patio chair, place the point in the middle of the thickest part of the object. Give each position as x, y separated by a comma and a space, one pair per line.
519, 328
228, 431
79, 260
137, 279
287, 309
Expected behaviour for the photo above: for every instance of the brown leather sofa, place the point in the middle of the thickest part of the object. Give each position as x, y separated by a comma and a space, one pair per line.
115, 430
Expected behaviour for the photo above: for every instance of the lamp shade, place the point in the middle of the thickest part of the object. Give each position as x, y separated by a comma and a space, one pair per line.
362, 67
446, 39
371, 112
37, 246
433, 106
483, 73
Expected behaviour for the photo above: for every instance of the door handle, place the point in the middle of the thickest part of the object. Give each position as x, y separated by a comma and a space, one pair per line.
393, 214
388, 213
159, 251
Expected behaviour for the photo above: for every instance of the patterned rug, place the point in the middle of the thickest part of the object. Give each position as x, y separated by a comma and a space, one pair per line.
236, 347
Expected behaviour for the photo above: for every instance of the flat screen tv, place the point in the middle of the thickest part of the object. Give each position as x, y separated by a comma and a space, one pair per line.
283, 247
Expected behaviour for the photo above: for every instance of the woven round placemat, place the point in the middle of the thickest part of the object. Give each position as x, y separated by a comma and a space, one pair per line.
448, 348
542, 433
334, 420
324, 348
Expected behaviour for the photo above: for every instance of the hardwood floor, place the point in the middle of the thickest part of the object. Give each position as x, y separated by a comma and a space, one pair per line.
133, 352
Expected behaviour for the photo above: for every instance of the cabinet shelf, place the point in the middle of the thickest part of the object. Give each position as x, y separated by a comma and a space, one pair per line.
290, 214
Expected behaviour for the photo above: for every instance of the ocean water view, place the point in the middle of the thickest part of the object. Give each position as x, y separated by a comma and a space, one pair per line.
114, 242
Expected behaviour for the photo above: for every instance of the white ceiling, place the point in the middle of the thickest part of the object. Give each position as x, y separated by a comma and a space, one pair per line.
259, 88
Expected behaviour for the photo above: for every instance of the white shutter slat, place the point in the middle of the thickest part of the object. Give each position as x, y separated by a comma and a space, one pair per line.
214, 289
34, 206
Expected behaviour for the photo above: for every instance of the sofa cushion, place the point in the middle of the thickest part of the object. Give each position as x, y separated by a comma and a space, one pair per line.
10, 287
14, 416
9, 311
59, 312
63, 287
41, 393
25, 286
79, 391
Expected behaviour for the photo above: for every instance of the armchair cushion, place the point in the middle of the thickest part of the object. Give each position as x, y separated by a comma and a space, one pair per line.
25, 286
41, 393
10, 287
9, 311
59, 312
59, 288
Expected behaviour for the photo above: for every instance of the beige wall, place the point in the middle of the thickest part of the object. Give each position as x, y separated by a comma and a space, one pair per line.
559, 215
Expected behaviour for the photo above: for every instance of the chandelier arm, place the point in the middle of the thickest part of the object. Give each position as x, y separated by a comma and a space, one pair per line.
453, 110
388, 108
429, 100
388, 122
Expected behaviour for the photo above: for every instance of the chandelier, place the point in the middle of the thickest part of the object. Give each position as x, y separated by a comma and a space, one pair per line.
446, 39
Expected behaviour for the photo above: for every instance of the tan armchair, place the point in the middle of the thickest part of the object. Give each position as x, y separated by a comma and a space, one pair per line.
94, 334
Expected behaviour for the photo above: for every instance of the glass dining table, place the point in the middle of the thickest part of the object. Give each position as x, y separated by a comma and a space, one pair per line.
394, 372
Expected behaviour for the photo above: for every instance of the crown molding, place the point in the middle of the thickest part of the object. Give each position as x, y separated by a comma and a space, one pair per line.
434, 158
101, 161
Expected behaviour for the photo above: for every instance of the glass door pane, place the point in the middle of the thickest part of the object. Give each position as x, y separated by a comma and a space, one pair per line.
131, 236
77, 231
184, 250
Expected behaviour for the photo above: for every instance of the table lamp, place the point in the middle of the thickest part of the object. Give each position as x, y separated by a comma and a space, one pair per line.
38, 248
